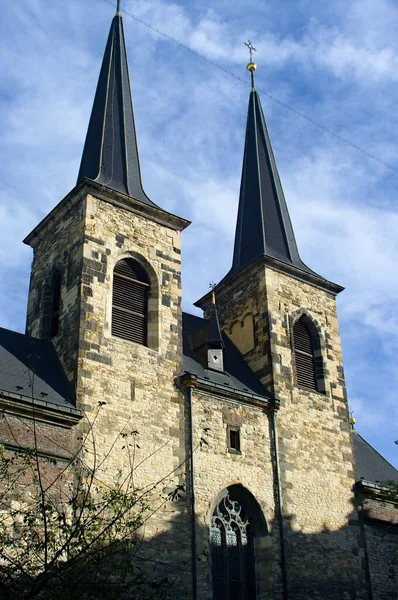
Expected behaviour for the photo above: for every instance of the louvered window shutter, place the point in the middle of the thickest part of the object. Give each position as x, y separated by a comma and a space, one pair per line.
130, 301
56, 304
304, 355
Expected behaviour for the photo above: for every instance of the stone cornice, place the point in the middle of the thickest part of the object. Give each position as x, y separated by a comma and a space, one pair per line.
266, 261
113, 197
229, 393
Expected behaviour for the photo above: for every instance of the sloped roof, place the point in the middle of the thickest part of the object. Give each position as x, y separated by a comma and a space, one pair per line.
214, 335
236, 376
263, 226
30, 367
370, 465
110, 154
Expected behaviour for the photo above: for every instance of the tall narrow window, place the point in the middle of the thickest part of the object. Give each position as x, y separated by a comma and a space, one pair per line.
304, 355
56, 304
232, 552
130, 301
234, 439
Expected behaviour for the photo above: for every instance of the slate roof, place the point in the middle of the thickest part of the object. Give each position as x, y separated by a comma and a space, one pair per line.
110, 154
214, 334
20, 356
237, 375
263, 225
370, 465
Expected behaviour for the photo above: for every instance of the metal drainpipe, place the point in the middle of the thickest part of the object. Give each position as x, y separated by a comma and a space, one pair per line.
368, 578
279, 506
188, 386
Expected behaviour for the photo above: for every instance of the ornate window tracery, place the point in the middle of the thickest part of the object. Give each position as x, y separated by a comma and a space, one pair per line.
232, 552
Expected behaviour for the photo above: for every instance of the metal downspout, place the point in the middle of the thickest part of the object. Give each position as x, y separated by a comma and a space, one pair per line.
279, 506
188, 386
368, 578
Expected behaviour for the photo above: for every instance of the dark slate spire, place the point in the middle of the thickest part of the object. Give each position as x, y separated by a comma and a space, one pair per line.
214, 336
208, 343
110, 154
210, 336
263, 225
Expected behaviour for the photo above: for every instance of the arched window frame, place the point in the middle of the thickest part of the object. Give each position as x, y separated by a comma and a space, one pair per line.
314, 332
153, 309
247, 521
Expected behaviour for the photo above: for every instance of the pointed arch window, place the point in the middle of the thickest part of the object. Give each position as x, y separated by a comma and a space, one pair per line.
55, 304
130, 301
232, 552
304, 354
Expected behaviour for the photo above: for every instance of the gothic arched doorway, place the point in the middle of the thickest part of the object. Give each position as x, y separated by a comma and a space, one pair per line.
236, 522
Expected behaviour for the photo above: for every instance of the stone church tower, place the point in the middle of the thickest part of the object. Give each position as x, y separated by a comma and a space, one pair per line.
114, 314
282, 316
243, 410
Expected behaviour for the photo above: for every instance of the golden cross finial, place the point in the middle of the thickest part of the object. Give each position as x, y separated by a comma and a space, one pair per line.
251, 48
213, 286
251, 66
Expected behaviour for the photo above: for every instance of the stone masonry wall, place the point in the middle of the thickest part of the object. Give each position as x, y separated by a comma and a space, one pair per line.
59, 245
134, 384
316, 462
382, 547
216, 468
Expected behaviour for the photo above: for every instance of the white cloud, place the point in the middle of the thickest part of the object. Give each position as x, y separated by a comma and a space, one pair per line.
336, 63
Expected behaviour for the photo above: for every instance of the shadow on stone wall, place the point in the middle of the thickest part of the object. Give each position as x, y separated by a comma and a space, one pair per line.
357, 562
329, 565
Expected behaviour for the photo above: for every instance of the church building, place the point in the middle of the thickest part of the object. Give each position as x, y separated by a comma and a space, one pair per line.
243, 410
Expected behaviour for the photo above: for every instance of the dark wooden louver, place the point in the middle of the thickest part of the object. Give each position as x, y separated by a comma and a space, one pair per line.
304, 355
56, 304
130, 301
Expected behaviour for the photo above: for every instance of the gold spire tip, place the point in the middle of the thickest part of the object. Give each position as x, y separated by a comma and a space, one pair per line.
212, 286
118, 13
251, 66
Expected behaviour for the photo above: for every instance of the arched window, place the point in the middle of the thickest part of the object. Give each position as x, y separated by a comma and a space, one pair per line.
55, 303
232, 552
304, 354
130, 301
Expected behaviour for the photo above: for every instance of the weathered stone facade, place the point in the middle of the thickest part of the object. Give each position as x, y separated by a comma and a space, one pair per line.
294, 464
314, 446
216, 468
322, 546
85, 237
381, 547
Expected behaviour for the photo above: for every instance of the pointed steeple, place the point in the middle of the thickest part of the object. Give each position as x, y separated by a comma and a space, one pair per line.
110, 154
208, 342
263, 225
214, 336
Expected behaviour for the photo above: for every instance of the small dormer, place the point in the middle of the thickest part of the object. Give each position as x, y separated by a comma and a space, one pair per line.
208, 343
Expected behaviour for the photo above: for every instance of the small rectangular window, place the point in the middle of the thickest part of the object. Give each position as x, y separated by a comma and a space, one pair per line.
234, 439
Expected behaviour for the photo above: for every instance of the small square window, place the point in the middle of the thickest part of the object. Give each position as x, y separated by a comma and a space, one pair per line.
234, 439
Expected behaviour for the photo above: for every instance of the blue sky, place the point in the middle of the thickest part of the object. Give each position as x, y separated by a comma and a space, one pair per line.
337, 63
